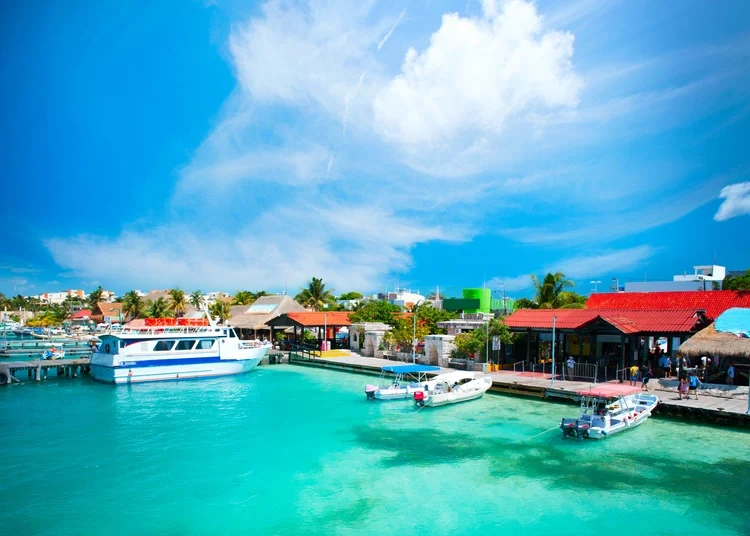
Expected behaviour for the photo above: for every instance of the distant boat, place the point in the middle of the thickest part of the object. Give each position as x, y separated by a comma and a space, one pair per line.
453, 388
54, 353
603, 416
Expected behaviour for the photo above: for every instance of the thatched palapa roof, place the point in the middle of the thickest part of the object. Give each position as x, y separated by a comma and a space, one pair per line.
262, 310
710, 342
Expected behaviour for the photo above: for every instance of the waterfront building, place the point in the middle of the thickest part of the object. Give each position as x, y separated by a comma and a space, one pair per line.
251, 321
478, 300
56, 298
703, 278
326, 325
107, 313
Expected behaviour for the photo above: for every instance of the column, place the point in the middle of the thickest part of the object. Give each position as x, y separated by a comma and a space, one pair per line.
622, 353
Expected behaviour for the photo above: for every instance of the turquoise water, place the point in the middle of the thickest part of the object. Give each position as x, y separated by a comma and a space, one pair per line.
292, 450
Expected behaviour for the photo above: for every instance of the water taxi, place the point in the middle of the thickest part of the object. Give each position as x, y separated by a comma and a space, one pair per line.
408, 380
606, 415
173, 349
452, 388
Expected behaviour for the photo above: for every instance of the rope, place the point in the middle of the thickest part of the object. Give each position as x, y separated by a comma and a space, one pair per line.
542, 433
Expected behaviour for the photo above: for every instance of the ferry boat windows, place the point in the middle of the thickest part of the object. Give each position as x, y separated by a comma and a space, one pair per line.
205, 344
163, 346
186, 344
232, 335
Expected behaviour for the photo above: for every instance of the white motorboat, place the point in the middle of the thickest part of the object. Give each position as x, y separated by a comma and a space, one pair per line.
606, 415
408, 380
452, 388
173, 352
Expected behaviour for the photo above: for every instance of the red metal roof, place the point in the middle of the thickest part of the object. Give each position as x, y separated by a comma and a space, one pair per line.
83, 313
626, 321
337, 318
714, 302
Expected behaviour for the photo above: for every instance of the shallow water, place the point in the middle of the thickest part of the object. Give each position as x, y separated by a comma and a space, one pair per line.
290, 450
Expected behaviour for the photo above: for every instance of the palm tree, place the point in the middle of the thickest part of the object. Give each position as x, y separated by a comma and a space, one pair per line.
243, 297
196, 299
551, 293
177, 302
132, 304
315, 296
221, 310
158, 309
95, 296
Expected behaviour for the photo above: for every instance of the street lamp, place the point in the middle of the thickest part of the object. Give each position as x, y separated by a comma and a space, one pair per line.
596, 285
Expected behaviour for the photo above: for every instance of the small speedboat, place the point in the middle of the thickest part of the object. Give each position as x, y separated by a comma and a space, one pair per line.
408, 380
603, 416
54, 353
453, 388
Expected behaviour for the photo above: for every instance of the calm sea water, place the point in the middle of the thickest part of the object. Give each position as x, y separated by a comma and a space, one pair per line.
291, 450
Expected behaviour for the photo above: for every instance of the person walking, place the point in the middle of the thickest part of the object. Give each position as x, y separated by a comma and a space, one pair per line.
730, 373
693, 383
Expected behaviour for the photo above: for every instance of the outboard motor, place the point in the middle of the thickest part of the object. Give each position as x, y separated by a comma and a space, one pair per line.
370, 391
568, 427
419, 398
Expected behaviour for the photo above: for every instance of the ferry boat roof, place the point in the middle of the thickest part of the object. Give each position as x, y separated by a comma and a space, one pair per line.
406, 369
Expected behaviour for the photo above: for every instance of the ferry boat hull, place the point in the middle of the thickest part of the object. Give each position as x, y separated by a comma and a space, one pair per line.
138, 373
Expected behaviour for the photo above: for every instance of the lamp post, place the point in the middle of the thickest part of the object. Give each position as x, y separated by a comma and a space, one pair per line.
596, 285
325, 331
554, 318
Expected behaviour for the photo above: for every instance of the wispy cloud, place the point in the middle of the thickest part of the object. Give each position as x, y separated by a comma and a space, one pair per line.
387, 36
736, 201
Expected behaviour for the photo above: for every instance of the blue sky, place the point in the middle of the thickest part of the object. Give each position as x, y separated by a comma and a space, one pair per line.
225, 145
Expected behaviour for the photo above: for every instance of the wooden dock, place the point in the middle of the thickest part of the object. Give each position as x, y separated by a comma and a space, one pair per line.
713, 409
38, 370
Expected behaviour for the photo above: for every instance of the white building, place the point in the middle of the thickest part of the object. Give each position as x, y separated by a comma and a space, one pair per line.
703, 278
59, 297
404, 298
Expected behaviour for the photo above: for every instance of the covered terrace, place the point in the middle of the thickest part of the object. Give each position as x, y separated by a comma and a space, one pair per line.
609, 337
324, 324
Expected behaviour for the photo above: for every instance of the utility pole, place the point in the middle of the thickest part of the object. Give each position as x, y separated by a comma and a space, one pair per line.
414, 337
554, 318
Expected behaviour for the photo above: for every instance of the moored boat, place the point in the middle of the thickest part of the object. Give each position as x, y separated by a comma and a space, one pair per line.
605, 415
54, 352
452, 388
170, 352
408, 380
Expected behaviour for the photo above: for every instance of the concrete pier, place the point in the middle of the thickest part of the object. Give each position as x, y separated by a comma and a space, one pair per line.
39, 369
724, 410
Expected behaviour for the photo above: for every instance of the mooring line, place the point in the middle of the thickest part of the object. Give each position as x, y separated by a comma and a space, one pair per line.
542, 433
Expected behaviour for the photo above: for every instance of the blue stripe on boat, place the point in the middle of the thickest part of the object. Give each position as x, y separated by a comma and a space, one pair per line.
171, 362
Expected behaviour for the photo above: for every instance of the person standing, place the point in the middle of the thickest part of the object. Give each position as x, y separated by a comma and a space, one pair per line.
633, 374
664, 365
571, 363
730, 373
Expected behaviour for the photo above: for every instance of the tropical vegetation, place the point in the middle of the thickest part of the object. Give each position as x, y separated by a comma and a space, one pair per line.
246, 297
178, 303
348, 296
220, 309
132, 305
196, 299
551, 292
475, 343
158, 309
95, 297
741, 282
316, 296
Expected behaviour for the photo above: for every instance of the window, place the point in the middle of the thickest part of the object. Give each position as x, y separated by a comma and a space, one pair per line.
163, 346
232, 335
185, 345
205, 344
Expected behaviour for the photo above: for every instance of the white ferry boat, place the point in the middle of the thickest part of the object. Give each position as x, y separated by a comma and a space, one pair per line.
173, 352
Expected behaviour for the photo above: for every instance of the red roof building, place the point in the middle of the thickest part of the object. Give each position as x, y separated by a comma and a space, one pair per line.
713, 302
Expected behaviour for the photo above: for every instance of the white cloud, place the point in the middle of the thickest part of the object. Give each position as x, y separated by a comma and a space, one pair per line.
350, 247
736, 201
476, 74
388, 35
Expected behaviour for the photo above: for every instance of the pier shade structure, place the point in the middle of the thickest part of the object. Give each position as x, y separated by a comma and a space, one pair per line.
325, 325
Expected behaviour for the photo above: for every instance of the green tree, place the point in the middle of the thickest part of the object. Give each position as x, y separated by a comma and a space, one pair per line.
243, 297
351, 296
403, 334
19, 302
221, 310
476, 342
158, 308
315, 296
741, 282
177, 302
95, 297
132, 305
526, 303
196, 298
376, 311
430, 316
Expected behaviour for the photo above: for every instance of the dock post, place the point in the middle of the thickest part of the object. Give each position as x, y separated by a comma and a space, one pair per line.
44, 373
74, 371
28, 370
38, 372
